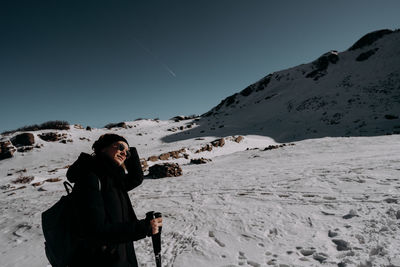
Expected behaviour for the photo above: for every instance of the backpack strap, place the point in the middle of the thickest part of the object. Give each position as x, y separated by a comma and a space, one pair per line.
99, 184
68, 187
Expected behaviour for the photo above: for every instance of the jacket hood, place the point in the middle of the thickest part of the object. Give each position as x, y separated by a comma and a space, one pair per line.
83, 165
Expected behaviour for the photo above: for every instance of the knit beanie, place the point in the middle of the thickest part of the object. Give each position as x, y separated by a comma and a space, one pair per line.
105, 140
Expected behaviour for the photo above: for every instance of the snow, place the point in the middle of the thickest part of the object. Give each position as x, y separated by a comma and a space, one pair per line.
247, 207
323, 199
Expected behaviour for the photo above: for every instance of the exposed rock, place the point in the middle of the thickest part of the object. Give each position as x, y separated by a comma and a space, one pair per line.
152, 158
173, 129
64, 141
364, 56
341, 245
227, 102
247, 91
176, 154
332, 234
144, 164
88, 128
182, 118
116, 125
321, 257
78, 126
52, 136
21, 170
23, 180
199, 161
351, 214
53, 180
207, 147
218, 143
307, 252
165, 170
321, 64
164, 156
270, 147
38, 183
25, 148
24, 139
239, 139
6, 150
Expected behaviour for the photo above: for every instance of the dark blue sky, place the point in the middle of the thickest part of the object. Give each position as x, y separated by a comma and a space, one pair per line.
95, 62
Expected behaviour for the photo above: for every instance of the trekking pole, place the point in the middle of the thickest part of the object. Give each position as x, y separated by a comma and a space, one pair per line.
156, 238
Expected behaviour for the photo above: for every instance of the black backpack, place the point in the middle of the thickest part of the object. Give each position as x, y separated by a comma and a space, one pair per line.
61, 242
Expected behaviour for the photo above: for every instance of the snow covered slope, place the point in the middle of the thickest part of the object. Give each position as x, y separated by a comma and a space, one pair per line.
352, 93
322, 201
249, 206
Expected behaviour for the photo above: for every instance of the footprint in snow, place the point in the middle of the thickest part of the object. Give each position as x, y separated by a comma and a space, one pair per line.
212, 235
242, 260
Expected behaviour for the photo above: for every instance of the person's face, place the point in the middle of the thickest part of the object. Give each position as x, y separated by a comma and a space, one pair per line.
118, 152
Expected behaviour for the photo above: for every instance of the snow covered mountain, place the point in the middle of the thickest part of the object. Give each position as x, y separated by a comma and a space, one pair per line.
352, 93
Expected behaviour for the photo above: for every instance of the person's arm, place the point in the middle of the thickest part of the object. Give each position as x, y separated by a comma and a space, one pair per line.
93, 218
135, 173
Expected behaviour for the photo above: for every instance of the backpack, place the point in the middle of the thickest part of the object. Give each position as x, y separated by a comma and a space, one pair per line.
57, 225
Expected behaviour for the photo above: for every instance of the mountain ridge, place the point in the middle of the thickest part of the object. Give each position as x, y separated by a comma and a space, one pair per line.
352, 93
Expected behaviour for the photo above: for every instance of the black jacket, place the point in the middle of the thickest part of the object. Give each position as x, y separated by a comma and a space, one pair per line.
107, 223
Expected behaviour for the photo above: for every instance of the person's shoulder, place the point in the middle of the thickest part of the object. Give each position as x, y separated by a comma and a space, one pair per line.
89, 181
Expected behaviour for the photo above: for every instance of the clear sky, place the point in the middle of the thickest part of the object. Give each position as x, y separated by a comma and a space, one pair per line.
96, 62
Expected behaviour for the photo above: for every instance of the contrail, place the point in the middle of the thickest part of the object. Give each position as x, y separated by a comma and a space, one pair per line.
165, 66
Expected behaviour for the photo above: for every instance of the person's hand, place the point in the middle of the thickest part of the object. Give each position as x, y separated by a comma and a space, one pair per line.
155, 224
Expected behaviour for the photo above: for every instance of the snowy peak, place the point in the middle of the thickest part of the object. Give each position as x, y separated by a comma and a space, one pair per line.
351, 93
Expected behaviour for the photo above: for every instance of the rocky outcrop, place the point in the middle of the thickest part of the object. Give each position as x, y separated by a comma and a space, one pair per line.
116, 125
174, 129
321, 64
165, 170
207, 147
164, 156
364, 56
24, 139
52, 137
6, 150
238, 139
199, 161
182, 118
177, 154
23, 180
152, 158
271, 147
218, 143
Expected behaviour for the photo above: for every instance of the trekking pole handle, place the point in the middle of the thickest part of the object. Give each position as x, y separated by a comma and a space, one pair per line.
158, 215
152, 215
